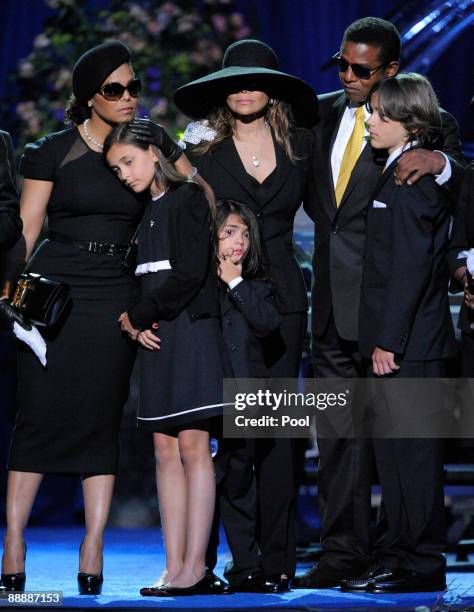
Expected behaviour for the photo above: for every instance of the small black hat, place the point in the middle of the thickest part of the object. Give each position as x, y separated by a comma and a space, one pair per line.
95, 65
248, 64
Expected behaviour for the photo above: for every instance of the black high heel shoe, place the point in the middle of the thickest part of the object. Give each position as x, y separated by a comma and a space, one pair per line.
14, 582
89, 584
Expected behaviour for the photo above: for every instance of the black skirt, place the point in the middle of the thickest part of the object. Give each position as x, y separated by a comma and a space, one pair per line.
69, 412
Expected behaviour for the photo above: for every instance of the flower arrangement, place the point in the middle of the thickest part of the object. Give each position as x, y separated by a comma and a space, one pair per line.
172, 42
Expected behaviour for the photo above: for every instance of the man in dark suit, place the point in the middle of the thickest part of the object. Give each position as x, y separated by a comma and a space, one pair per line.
345, 173
10, 222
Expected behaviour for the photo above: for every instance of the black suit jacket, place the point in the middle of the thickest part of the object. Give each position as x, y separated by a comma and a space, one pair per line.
249, 316
192, 283
340, 232
404, 304
463, 240
10, 222
222, 168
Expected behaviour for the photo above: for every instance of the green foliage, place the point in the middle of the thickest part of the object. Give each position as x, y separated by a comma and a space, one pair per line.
171, 43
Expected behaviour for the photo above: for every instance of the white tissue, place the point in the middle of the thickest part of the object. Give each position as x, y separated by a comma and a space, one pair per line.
33, 339
197, 131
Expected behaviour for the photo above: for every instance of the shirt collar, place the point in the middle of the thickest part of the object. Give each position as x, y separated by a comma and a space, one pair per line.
399, 151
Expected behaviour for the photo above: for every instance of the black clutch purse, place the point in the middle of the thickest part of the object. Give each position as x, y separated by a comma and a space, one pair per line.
40, 300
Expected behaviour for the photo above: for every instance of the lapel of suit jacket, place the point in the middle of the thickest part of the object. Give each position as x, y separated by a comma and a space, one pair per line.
226, 155
360, 170
281, 172
226, 303
383, 178
329, 129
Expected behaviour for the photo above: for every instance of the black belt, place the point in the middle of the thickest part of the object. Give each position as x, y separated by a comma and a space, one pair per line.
101, 248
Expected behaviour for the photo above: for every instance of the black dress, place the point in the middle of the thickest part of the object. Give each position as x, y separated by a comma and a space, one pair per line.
179, 386
69, 412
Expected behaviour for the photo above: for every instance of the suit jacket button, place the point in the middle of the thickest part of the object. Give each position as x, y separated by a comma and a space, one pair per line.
233, 347
335, 229
229, 321
259, 215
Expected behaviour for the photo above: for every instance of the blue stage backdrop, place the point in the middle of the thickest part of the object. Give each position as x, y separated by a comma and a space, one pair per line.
305, 33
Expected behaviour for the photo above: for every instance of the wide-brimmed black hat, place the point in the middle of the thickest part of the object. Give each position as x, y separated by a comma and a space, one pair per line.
252, 65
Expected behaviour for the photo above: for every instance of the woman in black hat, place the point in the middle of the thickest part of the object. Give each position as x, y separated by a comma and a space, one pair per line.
69, 412
252, 148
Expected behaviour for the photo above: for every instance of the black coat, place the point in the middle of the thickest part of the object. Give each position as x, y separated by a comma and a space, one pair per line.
248, 317
463, 240
404, 302
282, 194
340, 232
10, 222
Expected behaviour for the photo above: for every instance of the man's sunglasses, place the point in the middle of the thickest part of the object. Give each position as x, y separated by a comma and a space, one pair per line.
114, 91
361, 72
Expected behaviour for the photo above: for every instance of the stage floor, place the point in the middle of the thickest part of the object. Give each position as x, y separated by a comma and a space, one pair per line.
135, 558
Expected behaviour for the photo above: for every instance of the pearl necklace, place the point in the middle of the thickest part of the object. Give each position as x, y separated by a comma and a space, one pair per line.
98, 144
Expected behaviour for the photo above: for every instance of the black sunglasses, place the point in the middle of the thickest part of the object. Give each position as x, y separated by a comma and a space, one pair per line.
114, 91
361, 72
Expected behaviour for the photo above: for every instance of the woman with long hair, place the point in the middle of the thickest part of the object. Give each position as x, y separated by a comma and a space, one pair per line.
250, 144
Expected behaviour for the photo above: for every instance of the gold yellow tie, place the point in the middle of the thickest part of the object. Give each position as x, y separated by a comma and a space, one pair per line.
351, 154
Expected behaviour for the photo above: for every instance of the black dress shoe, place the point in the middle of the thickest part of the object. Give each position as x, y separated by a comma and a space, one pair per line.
203, 587
151, 591
320, 576
361, 583
217, 585
89, 584
14, 582
258, 583
407, 581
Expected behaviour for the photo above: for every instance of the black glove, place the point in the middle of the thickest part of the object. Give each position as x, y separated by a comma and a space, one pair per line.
149, 132
9, 315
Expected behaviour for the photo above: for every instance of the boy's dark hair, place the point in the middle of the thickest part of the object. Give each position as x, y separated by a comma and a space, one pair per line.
252, 265
409, 98
378, 33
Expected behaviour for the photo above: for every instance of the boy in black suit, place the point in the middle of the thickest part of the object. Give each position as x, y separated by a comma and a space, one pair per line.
405, 330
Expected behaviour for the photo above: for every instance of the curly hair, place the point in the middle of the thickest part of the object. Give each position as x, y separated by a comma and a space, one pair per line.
77, 111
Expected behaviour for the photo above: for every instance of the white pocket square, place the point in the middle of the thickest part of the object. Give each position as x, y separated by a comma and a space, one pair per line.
377, 204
